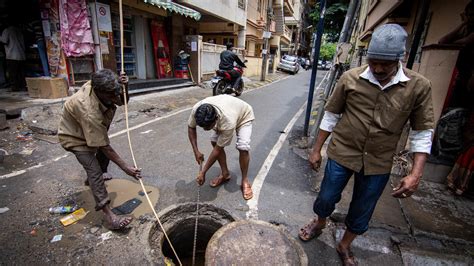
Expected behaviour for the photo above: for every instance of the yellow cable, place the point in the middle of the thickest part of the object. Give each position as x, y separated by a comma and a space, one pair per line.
129, 139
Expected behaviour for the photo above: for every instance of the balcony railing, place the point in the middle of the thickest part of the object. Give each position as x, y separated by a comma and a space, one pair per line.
287, 33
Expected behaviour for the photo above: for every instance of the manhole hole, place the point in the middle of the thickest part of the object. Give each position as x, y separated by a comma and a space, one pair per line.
178, 221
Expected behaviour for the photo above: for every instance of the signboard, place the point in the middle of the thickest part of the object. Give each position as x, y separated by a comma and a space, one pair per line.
267, 34
104, 21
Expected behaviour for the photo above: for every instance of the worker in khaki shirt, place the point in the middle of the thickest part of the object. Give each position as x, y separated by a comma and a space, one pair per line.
224, 114
86, 118
366, 115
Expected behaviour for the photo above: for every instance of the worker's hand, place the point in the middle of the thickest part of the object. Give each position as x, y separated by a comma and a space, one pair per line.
201, 178
199, 157
315, 160
123, 78
132, 171
407, 187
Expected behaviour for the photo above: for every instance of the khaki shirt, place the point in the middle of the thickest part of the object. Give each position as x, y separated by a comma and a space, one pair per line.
232, 113
85, 121
372, 119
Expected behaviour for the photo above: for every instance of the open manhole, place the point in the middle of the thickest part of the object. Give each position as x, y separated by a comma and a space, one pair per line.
179, 221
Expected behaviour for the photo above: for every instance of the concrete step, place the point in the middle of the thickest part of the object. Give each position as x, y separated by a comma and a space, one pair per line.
161, 88
136, 84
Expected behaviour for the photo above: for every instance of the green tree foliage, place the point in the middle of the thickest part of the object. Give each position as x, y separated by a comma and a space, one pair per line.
327, 51
333, 18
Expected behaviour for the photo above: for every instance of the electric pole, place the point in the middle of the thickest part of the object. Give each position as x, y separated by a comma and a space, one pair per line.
266, 38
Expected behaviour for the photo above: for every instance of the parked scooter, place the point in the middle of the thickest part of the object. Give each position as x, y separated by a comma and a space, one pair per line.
222, 82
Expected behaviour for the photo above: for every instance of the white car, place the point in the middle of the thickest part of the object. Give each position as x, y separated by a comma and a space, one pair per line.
289, 63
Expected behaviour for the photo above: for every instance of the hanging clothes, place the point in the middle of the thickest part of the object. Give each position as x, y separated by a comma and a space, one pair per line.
76, 34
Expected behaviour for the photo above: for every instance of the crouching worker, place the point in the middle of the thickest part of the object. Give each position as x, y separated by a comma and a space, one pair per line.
224, 114
85, 121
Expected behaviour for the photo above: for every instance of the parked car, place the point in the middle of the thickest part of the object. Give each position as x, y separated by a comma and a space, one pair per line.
324, 65
289, 63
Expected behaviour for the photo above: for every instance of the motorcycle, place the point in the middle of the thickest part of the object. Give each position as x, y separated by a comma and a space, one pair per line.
222, 82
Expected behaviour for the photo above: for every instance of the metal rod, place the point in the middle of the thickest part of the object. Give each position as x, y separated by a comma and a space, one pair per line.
197, 219
316, 47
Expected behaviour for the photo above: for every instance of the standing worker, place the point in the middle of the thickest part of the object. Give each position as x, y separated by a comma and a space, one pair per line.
366, 115
224, 114
14, 42
83, 130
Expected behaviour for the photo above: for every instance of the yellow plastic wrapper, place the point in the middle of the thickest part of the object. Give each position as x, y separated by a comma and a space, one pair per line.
74, 217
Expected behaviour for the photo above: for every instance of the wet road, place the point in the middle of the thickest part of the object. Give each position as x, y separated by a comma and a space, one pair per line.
163, 151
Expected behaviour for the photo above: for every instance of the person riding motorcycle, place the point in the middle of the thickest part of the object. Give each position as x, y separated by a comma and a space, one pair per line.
227, 64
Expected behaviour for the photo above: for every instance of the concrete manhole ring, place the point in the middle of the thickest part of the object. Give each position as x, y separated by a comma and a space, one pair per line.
178, 221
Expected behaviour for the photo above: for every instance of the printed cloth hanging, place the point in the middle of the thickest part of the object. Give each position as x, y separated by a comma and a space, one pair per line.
76, 35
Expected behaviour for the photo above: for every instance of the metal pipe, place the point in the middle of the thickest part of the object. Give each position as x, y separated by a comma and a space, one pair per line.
314, 70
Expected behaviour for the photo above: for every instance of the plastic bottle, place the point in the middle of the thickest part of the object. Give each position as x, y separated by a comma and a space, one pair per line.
62, 209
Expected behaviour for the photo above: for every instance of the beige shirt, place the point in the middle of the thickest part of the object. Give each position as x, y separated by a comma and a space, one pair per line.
232, 113
372, 119
85, 121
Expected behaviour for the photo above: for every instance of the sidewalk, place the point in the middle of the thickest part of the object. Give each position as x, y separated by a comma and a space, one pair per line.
12, 103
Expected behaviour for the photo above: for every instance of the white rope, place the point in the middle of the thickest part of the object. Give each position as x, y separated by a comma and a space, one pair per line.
129, 139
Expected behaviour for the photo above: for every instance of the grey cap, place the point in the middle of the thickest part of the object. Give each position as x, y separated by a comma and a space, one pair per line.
387, 43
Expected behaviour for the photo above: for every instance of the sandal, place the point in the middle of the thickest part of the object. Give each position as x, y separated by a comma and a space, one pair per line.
118, 223
347, 257
247, 192
310, 230
218, 181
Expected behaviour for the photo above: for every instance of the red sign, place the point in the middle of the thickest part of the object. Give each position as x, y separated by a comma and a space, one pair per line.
161, 50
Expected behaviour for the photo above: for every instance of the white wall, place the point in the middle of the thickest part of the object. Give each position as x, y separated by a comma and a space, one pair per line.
227, 10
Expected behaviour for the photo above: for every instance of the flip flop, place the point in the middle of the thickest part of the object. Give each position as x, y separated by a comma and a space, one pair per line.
245, 191
218, 181
347, 257
313, 233
118, 223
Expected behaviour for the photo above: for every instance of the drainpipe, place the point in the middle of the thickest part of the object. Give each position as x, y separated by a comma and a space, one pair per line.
96, 37
425, 6
265, 55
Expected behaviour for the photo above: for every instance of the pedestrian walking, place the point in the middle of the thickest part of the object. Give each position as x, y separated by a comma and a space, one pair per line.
83, 130
225, 115
366, 115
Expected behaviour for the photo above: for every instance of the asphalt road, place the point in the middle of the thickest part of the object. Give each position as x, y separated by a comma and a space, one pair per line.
163, 151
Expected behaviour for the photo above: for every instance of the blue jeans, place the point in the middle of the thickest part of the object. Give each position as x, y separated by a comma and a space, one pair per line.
367, 190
